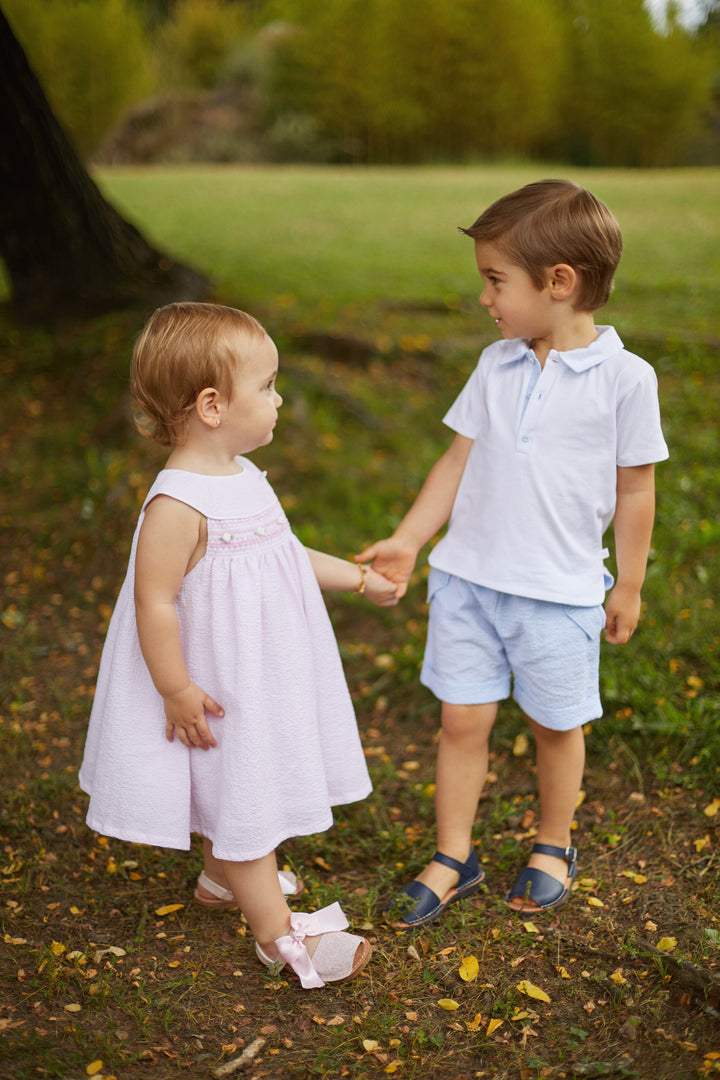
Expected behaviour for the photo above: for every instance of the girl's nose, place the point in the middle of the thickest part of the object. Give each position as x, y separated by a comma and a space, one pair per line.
484, 299
278, 400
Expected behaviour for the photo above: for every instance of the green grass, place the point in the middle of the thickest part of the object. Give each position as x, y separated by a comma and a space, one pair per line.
308, 240
372, 256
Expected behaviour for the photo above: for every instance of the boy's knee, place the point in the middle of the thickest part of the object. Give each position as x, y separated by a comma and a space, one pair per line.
468, 721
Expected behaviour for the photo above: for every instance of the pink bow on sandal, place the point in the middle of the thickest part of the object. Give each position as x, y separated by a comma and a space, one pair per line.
337, 956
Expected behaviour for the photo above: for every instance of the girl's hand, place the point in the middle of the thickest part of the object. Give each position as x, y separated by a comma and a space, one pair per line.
185, 716
391, 559
379, 590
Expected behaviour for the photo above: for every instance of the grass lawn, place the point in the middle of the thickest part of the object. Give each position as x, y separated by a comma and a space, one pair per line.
371, 294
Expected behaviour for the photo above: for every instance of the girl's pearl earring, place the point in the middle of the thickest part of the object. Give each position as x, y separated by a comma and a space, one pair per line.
217, 423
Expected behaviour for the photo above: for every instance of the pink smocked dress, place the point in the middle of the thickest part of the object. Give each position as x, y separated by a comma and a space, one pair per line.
257, 638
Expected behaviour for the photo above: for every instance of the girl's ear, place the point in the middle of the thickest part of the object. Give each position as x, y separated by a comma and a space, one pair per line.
562, 280
208, 407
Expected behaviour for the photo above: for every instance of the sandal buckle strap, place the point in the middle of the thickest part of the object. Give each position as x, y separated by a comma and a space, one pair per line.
569, 854
465, 870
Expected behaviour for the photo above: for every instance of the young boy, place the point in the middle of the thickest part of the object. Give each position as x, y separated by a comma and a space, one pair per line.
557, 431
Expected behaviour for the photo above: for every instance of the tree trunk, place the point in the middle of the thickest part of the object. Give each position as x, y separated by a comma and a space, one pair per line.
68, 253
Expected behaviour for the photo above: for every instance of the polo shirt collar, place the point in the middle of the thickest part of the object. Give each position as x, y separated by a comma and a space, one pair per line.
606, 344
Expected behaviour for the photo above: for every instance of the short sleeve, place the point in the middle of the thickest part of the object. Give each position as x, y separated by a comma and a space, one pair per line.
465, 414
640, 438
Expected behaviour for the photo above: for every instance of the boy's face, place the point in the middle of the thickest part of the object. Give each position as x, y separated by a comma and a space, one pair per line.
519, 308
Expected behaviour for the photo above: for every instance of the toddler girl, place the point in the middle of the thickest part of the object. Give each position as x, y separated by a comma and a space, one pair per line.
221, 618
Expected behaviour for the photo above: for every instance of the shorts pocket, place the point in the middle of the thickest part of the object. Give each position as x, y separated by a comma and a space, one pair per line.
437, 580
590, 619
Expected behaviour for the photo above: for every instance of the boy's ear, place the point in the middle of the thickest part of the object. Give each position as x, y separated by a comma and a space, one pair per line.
562, 281
207, 407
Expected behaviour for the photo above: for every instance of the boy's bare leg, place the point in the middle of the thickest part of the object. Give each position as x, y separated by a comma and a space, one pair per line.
560, 765
462, 765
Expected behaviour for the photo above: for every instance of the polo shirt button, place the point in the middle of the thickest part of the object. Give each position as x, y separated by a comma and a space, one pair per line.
524, 438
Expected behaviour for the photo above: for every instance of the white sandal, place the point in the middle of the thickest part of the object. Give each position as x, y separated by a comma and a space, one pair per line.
289, 883
337, 956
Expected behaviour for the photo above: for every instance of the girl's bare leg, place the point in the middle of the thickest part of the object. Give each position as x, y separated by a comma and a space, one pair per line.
461, 771
214, 868
256, 888
560, 765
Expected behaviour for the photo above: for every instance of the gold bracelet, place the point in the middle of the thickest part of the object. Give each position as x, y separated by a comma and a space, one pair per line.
364, 572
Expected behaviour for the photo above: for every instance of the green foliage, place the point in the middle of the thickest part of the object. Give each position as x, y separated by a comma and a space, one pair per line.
643, 91
195, 43
91, 57
586, 80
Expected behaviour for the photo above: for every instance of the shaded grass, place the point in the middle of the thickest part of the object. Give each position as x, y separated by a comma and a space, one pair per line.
355, 440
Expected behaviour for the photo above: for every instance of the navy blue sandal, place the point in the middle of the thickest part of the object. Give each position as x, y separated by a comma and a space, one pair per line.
417, 905
543, 889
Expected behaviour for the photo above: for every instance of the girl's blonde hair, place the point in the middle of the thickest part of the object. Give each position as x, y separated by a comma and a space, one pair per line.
185, 348
551, 222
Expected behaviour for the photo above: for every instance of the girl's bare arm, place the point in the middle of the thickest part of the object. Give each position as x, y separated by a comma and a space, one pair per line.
169, 538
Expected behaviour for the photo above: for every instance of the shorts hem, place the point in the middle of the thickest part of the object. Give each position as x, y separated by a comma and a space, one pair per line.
465, 693
564, 719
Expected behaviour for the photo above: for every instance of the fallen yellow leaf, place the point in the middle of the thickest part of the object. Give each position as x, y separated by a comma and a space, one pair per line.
73, 1008
370, 1045
521, 745
563, 973
168, 909
712, 809
594, 902
473, 1025
667, 944
57, 948
532, 991
618, 977
448, 1004
94, 1067
393, 1067
469, 969
530, 928
493, 1026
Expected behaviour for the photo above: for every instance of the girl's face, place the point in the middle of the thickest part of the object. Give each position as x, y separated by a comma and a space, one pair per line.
249, 417
519, 308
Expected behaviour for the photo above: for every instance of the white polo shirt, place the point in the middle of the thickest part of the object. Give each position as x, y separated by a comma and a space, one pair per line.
539, 486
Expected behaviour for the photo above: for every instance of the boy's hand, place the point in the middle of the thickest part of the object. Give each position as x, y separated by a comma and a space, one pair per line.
379, 590
185, 716
393, 559
622, 614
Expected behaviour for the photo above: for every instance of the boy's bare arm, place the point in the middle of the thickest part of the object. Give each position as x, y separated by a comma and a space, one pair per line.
395, 557
633, 525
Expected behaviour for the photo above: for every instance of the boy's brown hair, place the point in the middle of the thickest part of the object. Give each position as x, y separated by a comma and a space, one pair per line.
556, 221
185, 348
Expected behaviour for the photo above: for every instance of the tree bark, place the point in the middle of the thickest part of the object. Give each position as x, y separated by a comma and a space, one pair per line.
67, 251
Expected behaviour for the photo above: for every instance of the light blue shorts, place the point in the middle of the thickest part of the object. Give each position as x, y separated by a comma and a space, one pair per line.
480, 640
